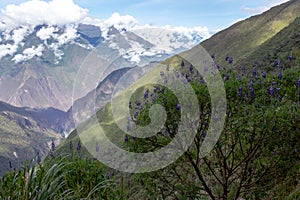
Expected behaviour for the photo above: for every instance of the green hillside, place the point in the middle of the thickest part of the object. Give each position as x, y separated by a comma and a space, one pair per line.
242, 39
258, 148
284, 46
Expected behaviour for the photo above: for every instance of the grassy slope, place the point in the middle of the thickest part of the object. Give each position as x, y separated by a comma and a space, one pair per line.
243, 38
281, 46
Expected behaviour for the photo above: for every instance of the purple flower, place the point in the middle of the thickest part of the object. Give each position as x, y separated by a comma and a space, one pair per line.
216, 118
128, 127
78, 145
250, 84
253, 72
240, 90
166, 80
51, 154
271, 91
138, 103
258, 81
280, 98
204, 134
276, 63
126, 139
53, 145
153, 99
278, 90
206, 124
243, 70
264, 74
226, 76
130, 106
205, 69
162, 73
298, 82
182, 64
191, 68
71, 145
146, 94
136, 114
184, 81
226, 57
238, 77
178, 106
213, 56
230, 61
256, 62
252, 95
97, 148
129, 118
280, 76
291, 58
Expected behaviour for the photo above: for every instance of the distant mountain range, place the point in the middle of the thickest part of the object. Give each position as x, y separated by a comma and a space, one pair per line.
39, 64
38, 67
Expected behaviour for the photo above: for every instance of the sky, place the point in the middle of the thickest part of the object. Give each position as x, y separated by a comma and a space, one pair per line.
212, 14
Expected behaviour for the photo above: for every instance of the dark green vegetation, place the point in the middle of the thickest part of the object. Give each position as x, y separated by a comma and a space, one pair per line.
64, 177
256, 157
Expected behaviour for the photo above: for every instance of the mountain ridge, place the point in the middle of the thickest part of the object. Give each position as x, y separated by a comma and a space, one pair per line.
239, 40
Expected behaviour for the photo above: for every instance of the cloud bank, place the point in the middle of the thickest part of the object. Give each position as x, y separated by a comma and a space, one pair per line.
19, 21
36, 12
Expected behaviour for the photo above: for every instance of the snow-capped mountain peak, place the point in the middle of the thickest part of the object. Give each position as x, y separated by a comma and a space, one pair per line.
33, 28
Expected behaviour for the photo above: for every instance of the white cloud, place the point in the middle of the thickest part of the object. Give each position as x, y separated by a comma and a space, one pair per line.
18, 21
17, 37
36, 12
125, 21
29, 53
46, 32
7, 49
69, 35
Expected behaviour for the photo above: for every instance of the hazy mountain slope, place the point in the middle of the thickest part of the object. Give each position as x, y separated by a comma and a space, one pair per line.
86, 106
25, 131
241, 40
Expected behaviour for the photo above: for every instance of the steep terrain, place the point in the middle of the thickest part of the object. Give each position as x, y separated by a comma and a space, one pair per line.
38, 64
24, 132
242, 39
284, 46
